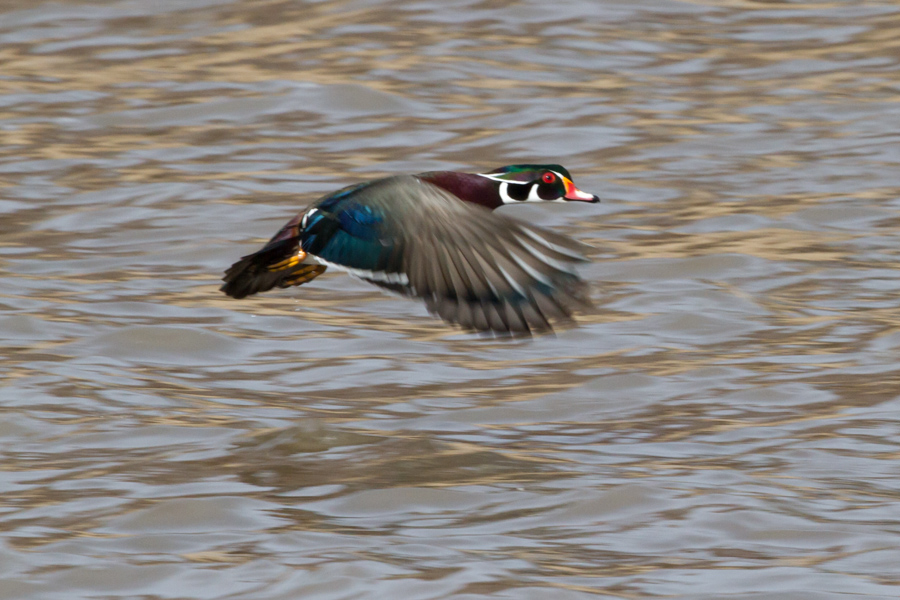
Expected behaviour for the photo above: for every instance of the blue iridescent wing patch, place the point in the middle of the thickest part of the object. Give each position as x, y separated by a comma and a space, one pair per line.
360, 221
346, 232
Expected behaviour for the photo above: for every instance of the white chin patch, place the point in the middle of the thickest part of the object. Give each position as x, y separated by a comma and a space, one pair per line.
532, 193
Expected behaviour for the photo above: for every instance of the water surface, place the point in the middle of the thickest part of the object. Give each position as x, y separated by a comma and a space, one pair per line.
725, 424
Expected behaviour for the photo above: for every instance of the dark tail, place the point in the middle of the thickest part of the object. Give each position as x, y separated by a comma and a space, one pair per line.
278, 264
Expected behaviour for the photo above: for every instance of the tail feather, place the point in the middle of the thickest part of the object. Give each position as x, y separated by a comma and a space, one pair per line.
279, 264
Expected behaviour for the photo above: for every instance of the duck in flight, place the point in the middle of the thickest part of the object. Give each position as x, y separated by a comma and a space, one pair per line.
434, 236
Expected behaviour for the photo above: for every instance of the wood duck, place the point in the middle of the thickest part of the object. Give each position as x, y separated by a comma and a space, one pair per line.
434, 236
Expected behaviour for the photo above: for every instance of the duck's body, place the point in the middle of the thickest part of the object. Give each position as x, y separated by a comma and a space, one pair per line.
433, 236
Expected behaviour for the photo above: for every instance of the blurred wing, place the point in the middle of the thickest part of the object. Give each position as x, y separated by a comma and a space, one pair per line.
471, 266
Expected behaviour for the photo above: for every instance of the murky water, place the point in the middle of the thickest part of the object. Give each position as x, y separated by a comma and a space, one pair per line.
726, 424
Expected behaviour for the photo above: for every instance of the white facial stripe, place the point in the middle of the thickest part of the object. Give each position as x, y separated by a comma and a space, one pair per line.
504, 193
492, 177
532, 193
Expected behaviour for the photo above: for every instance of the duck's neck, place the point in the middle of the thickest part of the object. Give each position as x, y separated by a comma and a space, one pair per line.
466, 186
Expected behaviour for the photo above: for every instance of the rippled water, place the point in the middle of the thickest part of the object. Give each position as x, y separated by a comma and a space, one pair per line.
726, 424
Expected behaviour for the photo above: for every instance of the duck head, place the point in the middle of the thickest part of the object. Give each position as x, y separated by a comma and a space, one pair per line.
536, 183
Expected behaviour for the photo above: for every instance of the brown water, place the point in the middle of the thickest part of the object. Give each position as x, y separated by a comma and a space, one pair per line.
726, 425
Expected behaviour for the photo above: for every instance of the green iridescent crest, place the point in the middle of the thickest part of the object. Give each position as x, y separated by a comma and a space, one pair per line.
526, 173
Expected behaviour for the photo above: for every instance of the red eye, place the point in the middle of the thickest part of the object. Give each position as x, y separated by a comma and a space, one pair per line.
549, 178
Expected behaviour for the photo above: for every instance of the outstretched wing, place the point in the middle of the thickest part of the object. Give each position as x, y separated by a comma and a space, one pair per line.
473, 267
